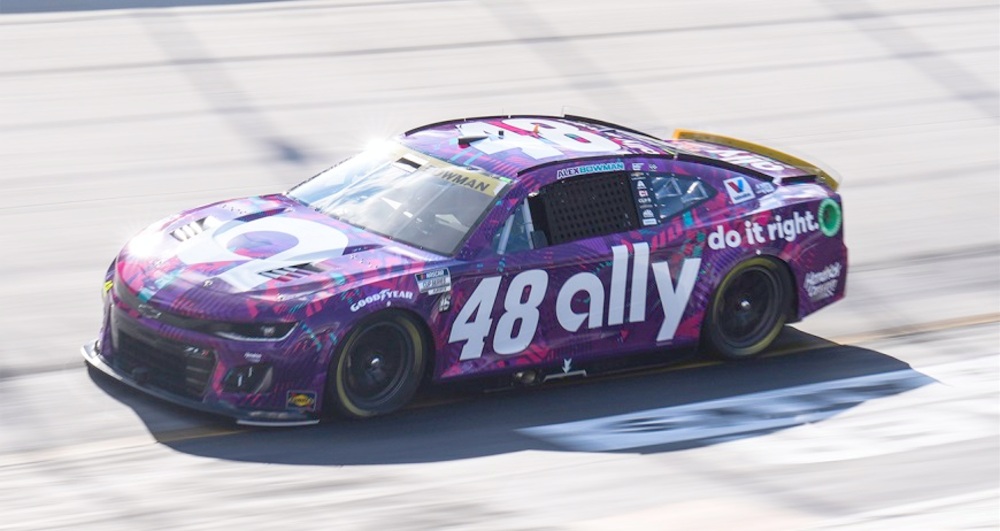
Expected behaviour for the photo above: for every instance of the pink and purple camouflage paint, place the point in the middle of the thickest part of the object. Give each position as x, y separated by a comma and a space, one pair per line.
532, 247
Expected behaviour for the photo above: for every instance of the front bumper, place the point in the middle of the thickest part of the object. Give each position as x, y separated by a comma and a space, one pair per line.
243, 417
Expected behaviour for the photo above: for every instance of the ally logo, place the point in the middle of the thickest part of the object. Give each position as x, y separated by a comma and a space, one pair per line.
518, 323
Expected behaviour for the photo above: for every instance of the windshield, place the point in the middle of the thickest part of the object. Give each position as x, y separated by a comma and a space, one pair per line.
396, 193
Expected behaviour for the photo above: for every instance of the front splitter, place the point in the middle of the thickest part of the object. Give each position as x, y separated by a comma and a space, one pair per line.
245, 418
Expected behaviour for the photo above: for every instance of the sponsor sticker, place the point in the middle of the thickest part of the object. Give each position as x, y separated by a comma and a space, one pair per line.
788, 229
590, 168
481, 330
434, 282
765, 188
384, 295
483, 184
822, 284
301, 400
738, 189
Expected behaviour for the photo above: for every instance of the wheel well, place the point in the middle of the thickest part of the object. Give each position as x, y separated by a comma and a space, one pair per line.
425, 332
792, 311
396, 313
783, 275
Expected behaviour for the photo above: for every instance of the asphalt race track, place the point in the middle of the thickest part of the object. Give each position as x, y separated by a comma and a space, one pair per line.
881, 412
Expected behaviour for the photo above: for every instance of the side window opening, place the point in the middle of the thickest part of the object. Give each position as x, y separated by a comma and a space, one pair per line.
515, 234
674, 194
597, 205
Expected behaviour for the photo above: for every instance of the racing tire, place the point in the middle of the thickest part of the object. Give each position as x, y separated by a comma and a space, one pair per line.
748, 309
378, 367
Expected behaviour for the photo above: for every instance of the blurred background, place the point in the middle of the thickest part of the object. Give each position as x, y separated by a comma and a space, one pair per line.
115, 113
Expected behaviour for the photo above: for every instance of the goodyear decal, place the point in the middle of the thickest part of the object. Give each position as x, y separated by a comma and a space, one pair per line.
383, 295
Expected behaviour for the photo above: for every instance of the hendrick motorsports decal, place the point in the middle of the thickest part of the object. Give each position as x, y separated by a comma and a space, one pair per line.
823, 284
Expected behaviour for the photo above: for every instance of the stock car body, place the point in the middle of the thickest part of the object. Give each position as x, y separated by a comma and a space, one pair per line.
517, 246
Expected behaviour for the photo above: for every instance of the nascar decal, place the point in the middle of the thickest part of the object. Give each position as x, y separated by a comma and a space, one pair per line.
262, 245
517, 323
434, 281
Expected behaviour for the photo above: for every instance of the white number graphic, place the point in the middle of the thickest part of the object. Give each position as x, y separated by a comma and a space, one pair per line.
564, 137
313, 241
518, 323
525, 311
535, 148
474, 332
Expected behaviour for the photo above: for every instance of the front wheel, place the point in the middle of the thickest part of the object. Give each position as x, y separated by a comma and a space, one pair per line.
747, 310
378, 367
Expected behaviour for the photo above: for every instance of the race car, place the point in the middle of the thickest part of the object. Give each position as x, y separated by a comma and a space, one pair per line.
521, 247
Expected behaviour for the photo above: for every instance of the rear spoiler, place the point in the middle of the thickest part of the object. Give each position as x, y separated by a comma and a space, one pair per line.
826, 177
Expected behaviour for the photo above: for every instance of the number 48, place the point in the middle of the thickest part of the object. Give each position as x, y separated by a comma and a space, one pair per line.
517, 325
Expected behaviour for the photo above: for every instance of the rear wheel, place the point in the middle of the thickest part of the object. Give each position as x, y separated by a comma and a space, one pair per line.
748, 309
378, 367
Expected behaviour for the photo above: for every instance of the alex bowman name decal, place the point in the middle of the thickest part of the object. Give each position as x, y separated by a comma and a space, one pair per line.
475, 319
592, 168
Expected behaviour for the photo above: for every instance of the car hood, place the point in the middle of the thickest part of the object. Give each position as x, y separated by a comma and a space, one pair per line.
254, 250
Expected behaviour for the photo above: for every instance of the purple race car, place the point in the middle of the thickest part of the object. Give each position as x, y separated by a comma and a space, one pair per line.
525, 247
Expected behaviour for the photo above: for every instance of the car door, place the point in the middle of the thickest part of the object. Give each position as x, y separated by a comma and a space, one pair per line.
569, 279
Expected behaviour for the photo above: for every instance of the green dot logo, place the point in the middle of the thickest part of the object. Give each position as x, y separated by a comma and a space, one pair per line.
829, 217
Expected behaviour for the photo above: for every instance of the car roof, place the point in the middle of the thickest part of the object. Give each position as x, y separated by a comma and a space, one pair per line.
502, 145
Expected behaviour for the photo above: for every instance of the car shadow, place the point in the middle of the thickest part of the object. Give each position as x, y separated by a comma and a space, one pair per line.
653, 410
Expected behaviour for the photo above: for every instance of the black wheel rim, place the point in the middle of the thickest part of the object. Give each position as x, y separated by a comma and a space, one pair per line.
749, 307
377, 363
